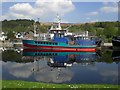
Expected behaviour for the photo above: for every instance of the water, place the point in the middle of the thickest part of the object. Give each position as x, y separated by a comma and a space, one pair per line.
61, 67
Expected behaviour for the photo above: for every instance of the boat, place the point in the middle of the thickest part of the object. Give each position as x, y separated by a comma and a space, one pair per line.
57, 46
116, 41
60, 40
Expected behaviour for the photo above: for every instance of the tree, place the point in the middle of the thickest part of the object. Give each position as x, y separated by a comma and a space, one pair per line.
10, 35
109, 31
99, 31
90, 28
118, 32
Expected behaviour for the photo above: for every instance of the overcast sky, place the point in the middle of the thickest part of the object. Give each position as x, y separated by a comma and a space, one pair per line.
69, 11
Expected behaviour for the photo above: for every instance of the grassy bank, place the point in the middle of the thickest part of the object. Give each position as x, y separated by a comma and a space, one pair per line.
24, 84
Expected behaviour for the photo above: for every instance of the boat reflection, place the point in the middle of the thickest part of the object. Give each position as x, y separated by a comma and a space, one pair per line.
62, 59
30, 55
116, 55
60, 67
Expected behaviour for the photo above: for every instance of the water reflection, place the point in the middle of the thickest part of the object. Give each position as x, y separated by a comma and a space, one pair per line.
61, 59
61, 67
116, 55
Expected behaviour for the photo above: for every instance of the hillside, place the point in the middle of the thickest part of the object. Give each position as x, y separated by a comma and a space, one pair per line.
105, 29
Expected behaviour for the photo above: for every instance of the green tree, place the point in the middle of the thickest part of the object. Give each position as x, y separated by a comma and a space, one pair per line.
90, 28
118, 32
99, 31
109, 31
10, 35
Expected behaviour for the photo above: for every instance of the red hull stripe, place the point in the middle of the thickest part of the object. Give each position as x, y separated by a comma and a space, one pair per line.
58, 49
49, 50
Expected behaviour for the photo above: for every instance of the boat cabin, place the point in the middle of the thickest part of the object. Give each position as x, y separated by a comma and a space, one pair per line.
56, 28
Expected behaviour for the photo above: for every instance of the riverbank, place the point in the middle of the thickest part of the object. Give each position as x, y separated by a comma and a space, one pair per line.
6, 44
25, 84
9, 44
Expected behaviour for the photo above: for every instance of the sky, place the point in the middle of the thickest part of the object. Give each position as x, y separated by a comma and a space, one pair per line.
69, 11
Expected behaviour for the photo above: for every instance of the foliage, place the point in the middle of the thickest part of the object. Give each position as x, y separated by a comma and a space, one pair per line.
10, 35
75, 29
11, 55
99, 31
18, 25
106, 57
109, 31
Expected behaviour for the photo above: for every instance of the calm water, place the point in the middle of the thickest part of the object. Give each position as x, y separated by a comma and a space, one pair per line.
61, 67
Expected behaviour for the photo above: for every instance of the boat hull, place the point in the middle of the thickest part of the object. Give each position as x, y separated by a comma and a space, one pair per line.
59, 48
116, 43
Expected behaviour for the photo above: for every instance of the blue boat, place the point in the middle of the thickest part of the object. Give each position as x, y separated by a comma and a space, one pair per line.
62, 41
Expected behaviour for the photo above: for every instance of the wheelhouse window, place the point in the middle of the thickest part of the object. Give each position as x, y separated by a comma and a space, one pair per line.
36, 42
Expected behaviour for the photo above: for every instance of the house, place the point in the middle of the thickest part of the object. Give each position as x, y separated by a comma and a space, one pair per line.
3, 36
19, 35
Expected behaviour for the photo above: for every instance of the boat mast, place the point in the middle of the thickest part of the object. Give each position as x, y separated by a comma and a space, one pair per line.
35, 27
59, 22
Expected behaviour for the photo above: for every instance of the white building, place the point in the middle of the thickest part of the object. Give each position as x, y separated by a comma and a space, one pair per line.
3, 37
18, 35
